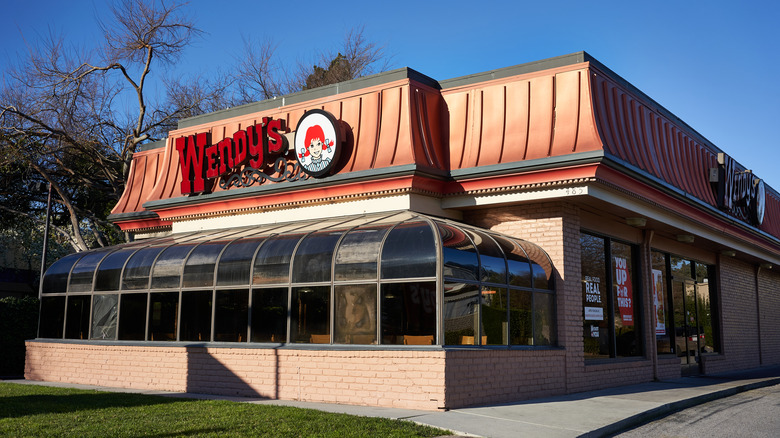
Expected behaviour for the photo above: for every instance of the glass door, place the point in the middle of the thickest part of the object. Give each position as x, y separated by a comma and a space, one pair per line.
687, 327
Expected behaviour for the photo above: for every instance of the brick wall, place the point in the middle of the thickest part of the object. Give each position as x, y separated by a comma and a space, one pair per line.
412, 379
769, 308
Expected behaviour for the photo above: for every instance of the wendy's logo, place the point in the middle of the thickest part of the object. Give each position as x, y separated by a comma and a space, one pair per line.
318, 142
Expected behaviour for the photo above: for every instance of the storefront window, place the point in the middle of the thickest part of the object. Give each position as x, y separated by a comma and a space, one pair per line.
163, 316
461, 319
409, 313
611, 320
132, 316
545, 332
77, 317
355, 314
661, 315
52, 317
269, 314
521, 317
310, 316
231, 315
409, 251
494, 316
196, 316
104, 316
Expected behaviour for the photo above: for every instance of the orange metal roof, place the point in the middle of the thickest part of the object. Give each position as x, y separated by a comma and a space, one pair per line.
416, 134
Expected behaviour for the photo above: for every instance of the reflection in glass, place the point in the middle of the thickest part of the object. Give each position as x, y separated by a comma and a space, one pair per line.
409, 252
662, 321
196, 316
494, 316
56, 278
199, 267
163, 314
132, 317
409, 313
52, 317
231, 315
269, 315
104, 316
542, 266
518, 266
460, 314
310, 316
77, 317
704, 294
355, 308
520, 318
110, 269
136, 274
545, 332
314, 257
459, 255
84, 272
491, 258
235, 263
681, 267
168, 267
356, 257
272, 264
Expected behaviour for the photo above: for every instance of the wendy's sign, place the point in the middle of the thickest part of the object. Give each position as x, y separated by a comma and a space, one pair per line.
739, 193
259, 153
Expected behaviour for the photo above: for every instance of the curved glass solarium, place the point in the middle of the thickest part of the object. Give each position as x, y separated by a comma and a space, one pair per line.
400, 278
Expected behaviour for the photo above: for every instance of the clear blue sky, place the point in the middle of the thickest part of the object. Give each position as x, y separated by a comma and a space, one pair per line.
714, 64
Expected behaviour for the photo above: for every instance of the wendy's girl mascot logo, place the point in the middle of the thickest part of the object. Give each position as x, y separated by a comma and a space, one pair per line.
318, 142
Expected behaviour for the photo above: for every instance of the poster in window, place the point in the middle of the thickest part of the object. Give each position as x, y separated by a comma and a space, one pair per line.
625, 300
593, 302
658, 300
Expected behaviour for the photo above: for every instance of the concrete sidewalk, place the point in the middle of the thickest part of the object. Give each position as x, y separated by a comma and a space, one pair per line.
590, 414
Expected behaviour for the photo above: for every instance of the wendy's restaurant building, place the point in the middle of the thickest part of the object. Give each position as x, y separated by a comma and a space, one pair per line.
398, 241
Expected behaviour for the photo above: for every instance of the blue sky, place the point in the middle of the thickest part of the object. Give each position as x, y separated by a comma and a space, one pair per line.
714, 64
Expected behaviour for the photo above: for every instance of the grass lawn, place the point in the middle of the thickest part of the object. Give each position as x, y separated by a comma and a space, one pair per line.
31, 410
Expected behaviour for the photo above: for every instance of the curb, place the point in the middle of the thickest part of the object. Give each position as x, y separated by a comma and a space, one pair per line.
671, 408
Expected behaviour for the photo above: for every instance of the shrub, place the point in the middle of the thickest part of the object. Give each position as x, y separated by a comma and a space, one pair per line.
19, 322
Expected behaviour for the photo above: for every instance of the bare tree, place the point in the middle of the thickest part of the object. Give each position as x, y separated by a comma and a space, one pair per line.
61, 117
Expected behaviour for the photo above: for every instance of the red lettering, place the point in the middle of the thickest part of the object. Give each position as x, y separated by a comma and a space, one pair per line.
191, 161
241, 150
255, 143
213, 161
277, 143
225, 149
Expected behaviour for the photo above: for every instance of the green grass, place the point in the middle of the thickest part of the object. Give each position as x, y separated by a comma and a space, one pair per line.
31, 410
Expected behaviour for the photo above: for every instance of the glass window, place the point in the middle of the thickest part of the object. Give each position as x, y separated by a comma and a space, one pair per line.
521, 328
77, 317
491, 259
132, 317
231, 315
357, 254
52, 317
196, 316
459, 255
110, 269
627, 333
545, 332
594, 296
519, 268
460, 314
235, 264
681, 267
272, 264
136, 274
704, 298
409, 313
56, 278
84, 272
314, 257
168, 267
199, 267
662, 322
104, 316
494, 316
355, 314
269, 314
163, 316
310, 316
409, 251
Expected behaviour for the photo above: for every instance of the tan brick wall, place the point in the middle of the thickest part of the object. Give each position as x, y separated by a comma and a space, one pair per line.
769, 307
410, 379
739, 317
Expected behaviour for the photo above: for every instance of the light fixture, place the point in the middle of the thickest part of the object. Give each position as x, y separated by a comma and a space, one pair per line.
636, 221
685, 238
766, 265
728, 252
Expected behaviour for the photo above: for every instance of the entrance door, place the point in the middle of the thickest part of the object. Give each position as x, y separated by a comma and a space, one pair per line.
688, 331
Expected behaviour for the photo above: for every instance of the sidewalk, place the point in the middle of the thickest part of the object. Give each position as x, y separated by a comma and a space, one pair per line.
589, 414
